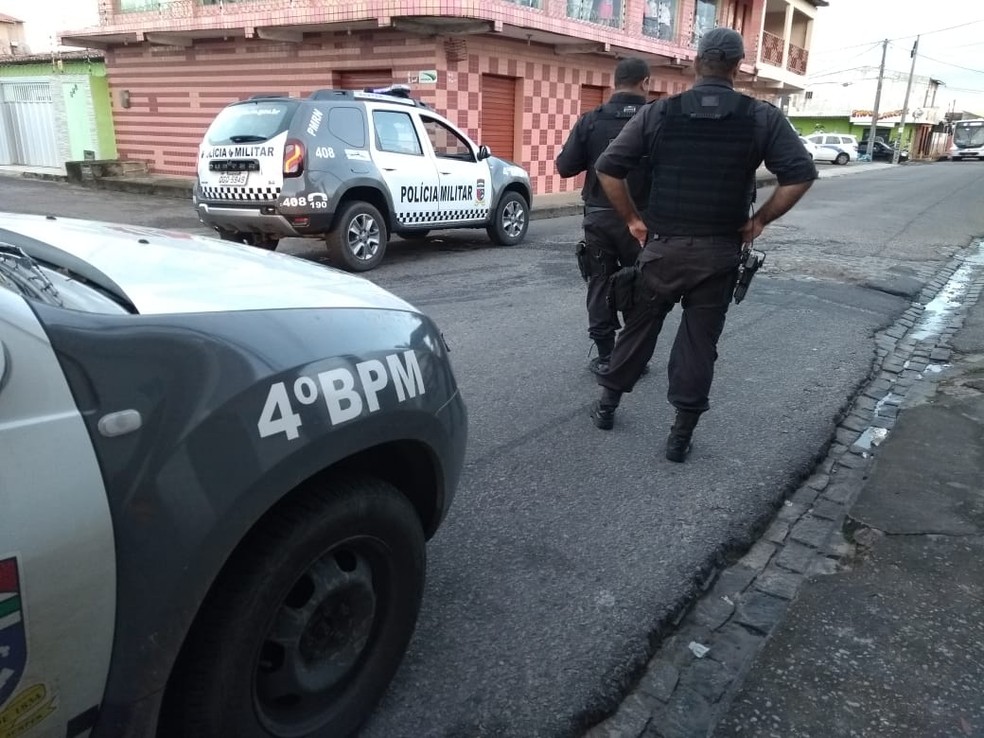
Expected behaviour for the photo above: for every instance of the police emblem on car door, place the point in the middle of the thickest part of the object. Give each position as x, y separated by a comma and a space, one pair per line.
463, 195
13, 642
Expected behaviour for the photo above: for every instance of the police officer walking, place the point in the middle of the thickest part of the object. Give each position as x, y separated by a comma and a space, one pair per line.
705, 146
607, 242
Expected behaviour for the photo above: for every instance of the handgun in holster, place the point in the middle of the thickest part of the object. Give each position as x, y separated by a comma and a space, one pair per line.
583, 263
751, 261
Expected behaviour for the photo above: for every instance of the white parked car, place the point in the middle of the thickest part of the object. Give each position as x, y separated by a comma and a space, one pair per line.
811, 147
839, 148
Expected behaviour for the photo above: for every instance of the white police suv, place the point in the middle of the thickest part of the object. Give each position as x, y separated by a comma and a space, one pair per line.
214, 496
352, 167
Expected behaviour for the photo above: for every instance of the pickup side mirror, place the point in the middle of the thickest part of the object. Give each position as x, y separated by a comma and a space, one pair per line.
484, 152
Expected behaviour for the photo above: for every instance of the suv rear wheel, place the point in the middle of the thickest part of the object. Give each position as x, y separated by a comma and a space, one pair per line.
510, 220
358, 241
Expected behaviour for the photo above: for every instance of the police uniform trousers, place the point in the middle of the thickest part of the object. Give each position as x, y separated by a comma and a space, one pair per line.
700, 273
609, 247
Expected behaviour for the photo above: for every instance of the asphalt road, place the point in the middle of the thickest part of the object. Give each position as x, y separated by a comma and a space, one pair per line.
567, 548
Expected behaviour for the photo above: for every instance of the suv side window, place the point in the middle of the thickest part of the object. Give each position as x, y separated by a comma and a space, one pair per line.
832, 140
348, 126
395, 133
447, 144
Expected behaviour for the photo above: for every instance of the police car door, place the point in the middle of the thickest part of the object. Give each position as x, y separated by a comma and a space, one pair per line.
406, 167
465, 181
57, 560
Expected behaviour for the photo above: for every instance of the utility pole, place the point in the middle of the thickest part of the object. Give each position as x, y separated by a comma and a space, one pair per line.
905, 105
874, 113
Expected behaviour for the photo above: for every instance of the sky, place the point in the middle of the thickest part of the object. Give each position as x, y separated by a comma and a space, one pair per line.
847, 34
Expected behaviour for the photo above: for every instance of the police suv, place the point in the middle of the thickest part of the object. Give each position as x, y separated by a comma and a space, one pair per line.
214, 496
352, 167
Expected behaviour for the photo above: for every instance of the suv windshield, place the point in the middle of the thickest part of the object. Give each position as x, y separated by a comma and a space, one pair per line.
250, 122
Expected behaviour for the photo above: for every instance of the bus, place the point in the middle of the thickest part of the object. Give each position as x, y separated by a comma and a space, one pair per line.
968, 139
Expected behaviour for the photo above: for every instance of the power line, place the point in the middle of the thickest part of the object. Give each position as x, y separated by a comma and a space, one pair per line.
901, 38
939, 30
951, 64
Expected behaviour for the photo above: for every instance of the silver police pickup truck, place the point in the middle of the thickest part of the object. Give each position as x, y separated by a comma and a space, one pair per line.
352, 167
214, 496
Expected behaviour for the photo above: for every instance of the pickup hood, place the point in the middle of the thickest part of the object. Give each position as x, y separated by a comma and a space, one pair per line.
172, 272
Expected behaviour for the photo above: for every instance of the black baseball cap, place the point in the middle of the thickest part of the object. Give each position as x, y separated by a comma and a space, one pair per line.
721, 44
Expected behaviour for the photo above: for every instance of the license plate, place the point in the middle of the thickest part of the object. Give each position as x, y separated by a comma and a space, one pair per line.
233, 178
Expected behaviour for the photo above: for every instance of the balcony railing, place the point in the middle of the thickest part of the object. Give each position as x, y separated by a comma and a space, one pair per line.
772, 49
797, 59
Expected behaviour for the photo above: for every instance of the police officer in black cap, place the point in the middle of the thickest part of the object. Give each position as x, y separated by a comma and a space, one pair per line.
607, 242
705, 146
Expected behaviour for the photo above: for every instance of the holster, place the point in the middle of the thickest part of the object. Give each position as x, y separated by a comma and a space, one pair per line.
627, 289
583, 263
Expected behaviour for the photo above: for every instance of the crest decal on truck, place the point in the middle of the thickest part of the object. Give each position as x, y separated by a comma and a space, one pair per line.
32, 705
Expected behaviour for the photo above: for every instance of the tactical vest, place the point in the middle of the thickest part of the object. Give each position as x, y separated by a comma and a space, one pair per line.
704, 161
607, 121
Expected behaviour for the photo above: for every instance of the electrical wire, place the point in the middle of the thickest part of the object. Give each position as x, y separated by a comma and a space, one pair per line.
901, 38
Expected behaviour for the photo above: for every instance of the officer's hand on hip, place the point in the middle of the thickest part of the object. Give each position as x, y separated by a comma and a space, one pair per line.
751, 230
639, 231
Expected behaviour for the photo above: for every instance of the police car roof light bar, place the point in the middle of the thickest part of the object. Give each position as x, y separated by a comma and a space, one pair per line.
394, 93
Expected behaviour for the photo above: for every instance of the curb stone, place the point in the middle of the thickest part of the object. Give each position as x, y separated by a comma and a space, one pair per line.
811, 535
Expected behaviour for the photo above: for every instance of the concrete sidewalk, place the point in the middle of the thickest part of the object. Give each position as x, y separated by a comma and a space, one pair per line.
860, 610
892, 644
554, 205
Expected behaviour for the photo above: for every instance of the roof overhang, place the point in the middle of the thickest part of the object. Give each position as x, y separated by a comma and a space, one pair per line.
96, 38
426, 25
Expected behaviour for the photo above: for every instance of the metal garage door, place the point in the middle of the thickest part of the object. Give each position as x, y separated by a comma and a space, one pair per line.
360, 79
591, 97
498, 119
28, 136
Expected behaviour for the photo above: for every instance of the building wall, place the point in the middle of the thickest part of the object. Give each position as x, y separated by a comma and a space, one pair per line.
624, 30
12, 39
807, 126
174, 93
83, 118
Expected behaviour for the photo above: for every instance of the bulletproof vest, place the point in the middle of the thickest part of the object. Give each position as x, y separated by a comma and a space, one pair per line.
607, 121
704, 161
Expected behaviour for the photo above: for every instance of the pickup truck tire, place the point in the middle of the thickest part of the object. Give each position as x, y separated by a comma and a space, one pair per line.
358, 241
510, 220
309, 620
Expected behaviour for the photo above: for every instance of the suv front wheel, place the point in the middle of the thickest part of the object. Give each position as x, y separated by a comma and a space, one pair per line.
510, 220
358, 240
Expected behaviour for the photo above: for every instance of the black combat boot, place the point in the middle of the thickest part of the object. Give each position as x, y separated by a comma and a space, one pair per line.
603, 411
678, 443
599, 364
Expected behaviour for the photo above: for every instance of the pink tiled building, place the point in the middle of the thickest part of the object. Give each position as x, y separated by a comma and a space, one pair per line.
515, 74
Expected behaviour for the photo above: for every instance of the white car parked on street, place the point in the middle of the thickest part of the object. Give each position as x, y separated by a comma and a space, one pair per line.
839, 148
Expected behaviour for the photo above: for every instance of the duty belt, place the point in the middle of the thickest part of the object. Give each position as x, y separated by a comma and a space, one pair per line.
589, 209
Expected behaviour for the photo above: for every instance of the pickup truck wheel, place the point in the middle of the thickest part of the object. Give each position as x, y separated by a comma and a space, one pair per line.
358, 241
308, 622
510, 220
